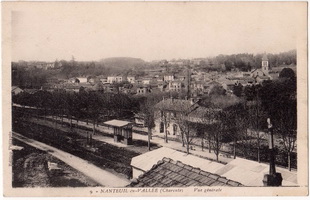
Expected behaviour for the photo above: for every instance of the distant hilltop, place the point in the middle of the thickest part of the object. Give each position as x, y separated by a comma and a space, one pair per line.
123, 62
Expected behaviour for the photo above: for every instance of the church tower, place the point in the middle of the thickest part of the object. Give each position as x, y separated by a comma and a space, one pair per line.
265, 65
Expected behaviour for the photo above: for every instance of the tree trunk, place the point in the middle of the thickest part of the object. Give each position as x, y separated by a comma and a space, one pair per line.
70, 122
44, 114
91, 140
56, 120
87, 121
166, 134
187, 148
94, 127
289, 161
87, 138
217, 148
209, 145
183, 143
149, 139
202, 144
235, 143
258, 148
62, 118
187, 143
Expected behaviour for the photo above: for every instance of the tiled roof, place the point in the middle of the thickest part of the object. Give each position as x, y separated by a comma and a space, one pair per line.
170, 173
202, 112
246, 172
175, 105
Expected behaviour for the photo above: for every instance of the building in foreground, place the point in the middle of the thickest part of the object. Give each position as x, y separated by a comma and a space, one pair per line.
171, 173
165, 167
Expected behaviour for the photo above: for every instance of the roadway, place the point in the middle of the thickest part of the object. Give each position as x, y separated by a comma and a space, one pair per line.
97, 174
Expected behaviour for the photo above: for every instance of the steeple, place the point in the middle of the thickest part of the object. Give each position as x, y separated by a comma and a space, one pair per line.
265, 64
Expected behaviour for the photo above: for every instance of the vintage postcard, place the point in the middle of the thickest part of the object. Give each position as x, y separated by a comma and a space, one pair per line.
154, 99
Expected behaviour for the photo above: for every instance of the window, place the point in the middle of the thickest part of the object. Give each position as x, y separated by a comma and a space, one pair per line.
161, 129
175, 129
265, 63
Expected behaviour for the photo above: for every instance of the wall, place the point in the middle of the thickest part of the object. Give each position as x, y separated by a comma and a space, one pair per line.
169, 128
136, 172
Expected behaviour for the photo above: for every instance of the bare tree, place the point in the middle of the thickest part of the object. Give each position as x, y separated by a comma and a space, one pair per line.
256, 116
286, 128
236, 121
187, 128
147, 110
216, 127
218, 132
203, 118
164, 116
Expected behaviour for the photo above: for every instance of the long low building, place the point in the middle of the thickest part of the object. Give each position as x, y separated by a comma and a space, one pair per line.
239, 171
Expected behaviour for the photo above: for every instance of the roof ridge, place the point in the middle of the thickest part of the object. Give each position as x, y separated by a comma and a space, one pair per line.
160, 162
176, 173
200, 171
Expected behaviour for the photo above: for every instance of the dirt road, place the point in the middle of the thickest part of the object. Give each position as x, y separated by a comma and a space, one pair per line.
101, 176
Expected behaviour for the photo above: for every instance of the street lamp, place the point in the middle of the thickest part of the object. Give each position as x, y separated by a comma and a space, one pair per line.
273, 178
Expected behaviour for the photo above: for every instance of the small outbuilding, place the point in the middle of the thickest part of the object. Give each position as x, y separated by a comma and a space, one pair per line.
122, 130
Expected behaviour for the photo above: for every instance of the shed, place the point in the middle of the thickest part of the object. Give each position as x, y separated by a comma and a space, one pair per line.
122, 130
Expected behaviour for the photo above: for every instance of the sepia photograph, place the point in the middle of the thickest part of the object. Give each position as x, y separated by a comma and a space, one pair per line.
155, 98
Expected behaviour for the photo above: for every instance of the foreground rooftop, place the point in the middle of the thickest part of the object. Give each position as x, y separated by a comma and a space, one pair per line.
171, 173
243, 171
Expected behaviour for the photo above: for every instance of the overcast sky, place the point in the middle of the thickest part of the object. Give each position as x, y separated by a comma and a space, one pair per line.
151, 31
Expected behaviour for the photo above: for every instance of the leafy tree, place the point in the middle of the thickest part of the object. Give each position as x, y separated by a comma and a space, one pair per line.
217, 90
280, 102
237, 90
95, 105
287, 73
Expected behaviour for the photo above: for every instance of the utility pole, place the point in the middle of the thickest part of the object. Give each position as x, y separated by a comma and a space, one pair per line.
188, 82
273, 178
